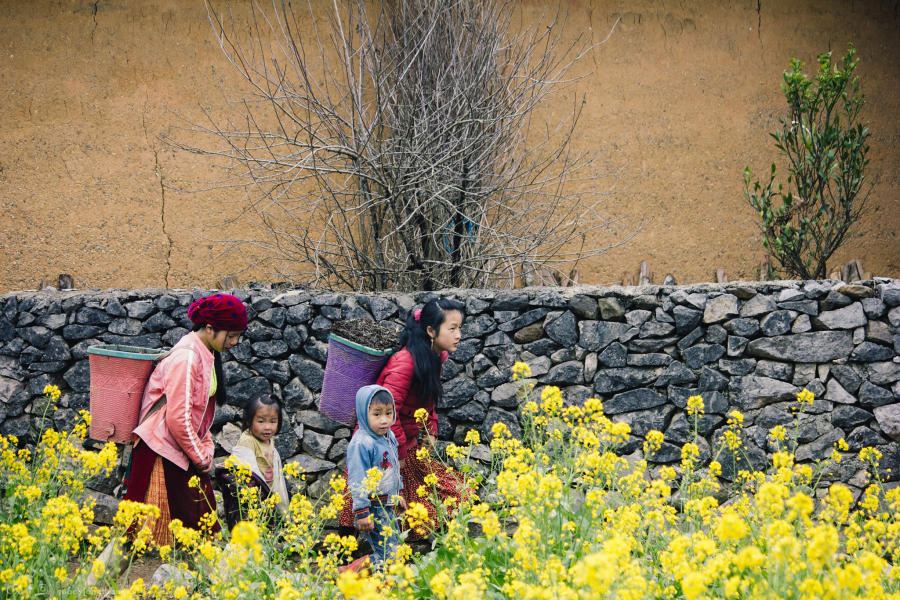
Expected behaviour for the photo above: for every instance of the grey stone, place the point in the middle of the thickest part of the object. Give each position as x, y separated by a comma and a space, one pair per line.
681, 427
596, 335
56, 350
820, 447
720, 308
655, 329
749, 458
712, 380
801, 324
743, 366
141, 309
506, 395
590, 366
9, 388
115, 308
36, 336
159, 322
894, 317
338, 450
890, 294
309, 372
563, 330
686, 319
862, 437
492, 377
584, 306
510, 300
803, 373
105, 507
503, 356
243, 352
470, 412
278, 371
316, 444
643, 421
125, 327
249, 389
298, 314
883, 373
776, 323
227, 413
833, 300
836, 393
817, 346
382, 308
478, 327
17, 426
648, 360
567, 373
7, 330
618, 379
92, 316
690, 338
311, 465
457, 392
636, 318
165, 302
228, 437
476, 305
815, 289
752, 391
818, 389
847, 376
759, 304
770, 416
313, 419
270, 349
496, 415
848, 317
873, 307
633, 400
807, 307
735, 345
467, 350
878, 331
257, 332
539, 365
873, 395
743, 327
53, 321
543, 347
650, 344
563, 355
701, 354
775, 370
888, 418
614, 355
78, 377
675, 374
716, 334
610, 308
532, 316
847, 417
790, 295
498, 338
529, 333
871, 352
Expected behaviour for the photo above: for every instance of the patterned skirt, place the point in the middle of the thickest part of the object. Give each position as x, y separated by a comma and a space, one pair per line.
449, 485
159, 482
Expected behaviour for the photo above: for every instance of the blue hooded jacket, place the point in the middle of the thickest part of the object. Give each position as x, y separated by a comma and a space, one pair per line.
367, 450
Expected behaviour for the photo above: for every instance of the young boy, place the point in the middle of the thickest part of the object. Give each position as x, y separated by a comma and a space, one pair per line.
373, 472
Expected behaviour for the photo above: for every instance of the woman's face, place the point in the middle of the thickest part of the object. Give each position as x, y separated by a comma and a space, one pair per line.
222, 340
446, 339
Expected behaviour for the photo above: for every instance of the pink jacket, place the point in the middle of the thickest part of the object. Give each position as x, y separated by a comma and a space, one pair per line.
397, 377
179, 431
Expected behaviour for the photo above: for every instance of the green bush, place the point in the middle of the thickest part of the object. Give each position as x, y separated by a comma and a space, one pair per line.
805, 221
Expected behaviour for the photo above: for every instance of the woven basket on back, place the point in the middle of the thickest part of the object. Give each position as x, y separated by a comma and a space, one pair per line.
118, 377
349, 367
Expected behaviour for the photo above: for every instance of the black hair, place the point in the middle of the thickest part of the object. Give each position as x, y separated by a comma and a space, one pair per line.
427, 364
221, 388
255, 404
382, 397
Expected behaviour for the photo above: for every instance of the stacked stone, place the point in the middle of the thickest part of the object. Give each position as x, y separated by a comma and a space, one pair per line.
642, 350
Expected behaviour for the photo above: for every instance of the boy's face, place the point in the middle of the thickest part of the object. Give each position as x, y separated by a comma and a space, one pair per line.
381, 417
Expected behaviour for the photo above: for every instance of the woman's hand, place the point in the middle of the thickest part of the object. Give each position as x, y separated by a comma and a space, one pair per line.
365, 524
430, 441
401, 502
402, 463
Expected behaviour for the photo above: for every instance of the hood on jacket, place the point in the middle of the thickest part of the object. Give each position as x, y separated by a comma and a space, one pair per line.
363, 399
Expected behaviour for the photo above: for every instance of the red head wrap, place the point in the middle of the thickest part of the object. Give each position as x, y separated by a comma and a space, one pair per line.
222, 311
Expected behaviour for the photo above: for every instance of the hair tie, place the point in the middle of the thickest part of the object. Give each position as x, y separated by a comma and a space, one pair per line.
417, 314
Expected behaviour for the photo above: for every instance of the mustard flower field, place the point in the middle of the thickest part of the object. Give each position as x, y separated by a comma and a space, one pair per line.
557, 514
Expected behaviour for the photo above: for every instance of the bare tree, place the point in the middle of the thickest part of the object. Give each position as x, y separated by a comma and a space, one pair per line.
400, 148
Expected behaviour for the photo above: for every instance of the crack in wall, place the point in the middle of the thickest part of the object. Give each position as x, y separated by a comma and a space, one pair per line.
759, 20
162, 195
95, 6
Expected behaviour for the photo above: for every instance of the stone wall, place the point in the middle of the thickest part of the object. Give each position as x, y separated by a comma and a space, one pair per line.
643, 350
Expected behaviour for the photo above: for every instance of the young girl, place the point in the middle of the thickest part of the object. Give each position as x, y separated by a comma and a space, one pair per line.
413, 376
255, 451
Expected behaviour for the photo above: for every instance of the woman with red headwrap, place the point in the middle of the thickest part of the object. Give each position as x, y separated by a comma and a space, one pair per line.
174, 442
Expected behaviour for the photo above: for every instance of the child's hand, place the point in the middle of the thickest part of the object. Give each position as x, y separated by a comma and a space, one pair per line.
401, 502
365, 524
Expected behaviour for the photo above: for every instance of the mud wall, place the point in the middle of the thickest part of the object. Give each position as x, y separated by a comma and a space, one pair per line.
678, 101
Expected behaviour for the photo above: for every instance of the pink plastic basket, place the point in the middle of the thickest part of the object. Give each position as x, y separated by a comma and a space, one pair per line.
118, 377
349, 367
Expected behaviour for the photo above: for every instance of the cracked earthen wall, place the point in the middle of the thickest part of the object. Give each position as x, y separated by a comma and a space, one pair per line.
678, 101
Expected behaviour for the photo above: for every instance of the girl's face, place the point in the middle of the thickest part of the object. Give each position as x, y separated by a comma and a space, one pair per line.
222, 340
446, 339
381, 417
265, 423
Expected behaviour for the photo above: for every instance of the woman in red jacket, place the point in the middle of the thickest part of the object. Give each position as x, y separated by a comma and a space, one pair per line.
413, 376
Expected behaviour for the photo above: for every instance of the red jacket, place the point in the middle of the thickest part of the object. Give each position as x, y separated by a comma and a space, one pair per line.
397, 377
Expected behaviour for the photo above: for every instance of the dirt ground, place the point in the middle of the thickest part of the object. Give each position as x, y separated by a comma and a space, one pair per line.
679, 100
